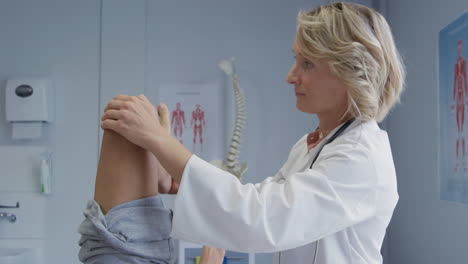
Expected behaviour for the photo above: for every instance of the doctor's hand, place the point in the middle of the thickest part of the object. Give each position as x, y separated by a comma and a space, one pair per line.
136, 119
166, 184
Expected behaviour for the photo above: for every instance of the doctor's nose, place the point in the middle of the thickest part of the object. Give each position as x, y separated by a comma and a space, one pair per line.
292, 76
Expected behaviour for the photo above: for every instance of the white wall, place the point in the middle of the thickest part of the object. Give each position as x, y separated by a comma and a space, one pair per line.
58, 39
424, 229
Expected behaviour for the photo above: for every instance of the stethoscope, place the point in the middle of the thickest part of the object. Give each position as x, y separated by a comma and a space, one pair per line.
330, 140
333, 137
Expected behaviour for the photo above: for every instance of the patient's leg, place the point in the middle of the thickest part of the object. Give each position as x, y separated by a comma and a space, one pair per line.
136, 230
125, 172
126, 222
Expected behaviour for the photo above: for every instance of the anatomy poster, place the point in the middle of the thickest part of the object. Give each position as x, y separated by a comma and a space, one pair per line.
194, 112
453, 107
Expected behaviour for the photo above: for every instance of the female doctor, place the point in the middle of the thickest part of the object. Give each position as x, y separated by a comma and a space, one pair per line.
332, 200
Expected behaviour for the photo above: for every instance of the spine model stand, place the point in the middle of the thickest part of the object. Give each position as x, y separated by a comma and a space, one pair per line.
231, 164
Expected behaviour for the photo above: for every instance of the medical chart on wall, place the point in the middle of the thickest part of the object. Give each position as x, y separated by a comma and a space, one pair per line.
453, 107
194, 114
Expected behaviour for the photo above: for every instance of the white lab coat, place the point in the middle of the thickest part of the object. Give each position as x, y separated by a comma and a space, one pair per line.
345, 202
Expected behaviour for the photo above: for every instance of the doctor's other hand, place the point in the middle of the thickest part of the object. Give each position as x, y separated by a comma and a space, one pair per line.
167, 184
211, 255
136, 119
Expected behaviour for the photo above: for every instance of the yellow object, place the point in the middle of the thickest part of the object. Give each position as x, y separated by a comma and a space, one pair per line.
197, 260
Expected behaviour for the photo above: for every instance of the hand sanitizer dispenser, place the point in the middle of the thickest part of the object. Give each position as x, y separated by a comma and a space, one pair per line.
28, 106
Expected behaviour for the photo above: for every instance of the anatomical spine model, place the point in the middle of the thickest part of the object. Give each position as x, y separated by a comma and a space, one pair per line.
231, 164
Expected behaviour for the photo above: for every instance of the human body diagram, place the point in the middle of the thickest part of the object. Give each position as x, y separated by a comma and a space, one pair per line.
460, 96
198, 122
178, 118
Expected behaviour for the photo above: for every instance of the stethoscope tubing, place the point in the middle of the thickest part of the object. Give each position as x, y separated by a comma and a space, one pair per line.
330, 140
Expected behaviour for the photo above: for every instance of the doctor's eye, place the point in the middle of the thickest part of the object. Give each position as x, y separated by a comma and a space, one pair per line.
308, 64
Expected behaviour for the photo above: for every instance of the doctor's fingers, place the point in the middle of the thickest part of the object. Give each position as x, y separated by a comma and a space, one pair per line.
132, 104
115, 114
112, 125
143, 98
118, 104
128, 98
145, 101
123, 97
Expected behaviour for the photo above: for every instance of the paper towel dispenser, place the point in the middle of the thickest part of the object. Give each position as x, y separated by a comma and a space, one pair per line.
27, 100
28, 106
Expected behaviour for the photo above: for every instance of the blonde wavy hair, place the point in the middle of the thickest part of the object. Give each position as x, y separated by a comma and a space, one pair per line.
358, 43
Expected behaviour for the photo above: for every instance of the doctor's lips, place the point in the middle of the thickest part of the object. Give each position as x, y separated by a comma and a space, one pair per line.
299, 94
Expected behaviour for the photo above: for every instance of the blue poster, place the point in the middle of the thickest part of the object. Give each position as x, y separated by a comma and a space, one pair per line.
453, 107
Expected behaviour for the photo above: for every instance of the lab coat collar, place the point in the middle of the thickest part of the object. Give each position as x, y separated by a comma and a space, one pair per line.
354, 124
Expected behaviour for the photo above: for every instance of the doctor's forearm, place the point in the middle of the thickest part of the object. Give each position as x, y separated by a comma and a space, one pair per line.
172, 155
